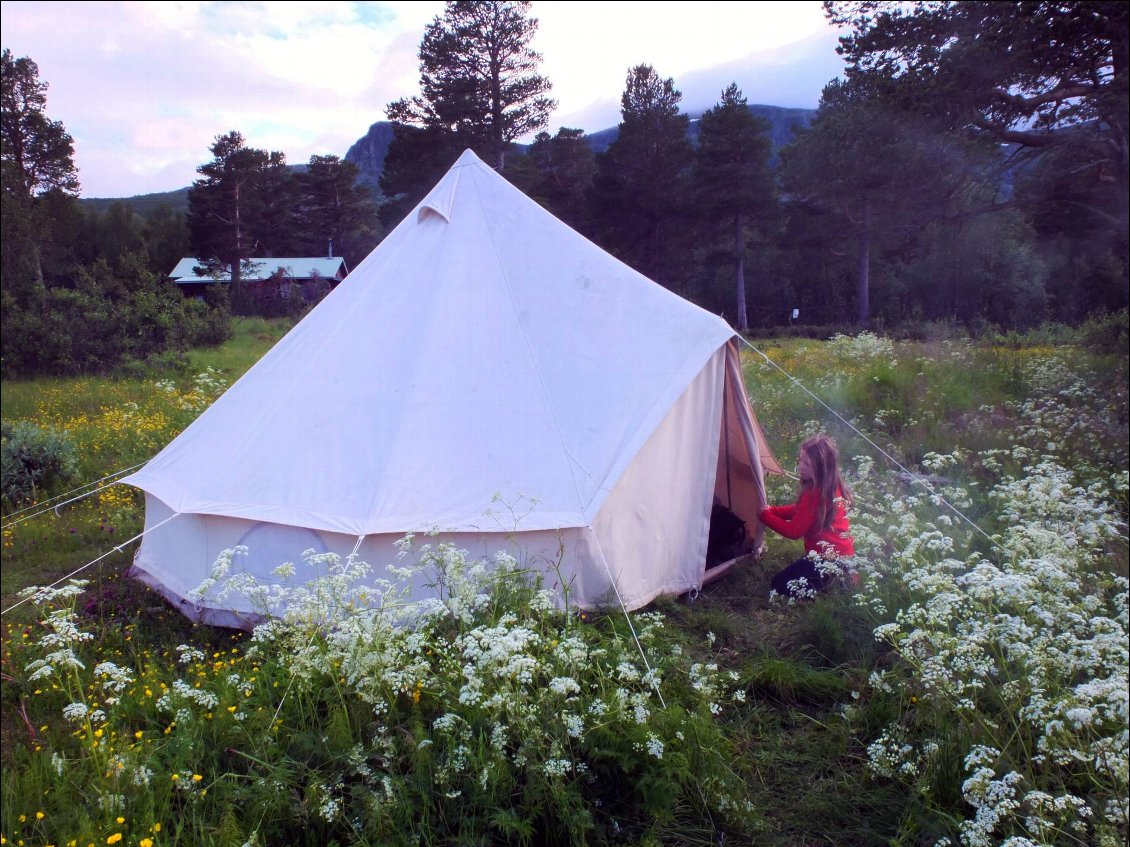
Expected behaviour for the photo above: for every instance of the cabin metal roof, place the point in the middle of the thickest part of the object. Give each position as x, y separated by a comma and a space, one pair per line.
259, 269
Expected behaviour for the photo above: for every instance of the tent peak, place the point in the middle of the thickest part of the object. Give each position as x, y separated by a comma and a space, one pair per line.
468, 157
441, 199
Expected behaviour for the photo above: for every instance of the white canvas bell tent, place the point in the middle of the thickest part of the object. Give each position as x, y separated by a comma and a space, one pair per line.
483, 351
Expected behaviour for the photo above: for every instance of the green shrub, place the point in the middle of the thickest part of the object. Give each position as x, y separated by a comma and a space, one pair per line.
101, 318
32, 459
1106, 333
207, 323
815, 331
914, 329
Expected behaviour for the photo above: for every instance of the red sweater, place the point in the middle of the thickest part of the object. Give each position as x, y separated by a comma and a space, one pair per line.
801, 521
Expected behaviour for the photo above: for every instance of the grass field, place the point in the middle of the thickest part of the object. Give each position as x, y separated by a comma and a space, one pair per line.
115, 423
972, 688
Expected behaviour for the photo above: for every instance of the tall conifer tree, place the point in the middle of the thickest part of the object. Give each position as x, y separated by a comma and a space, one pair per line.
1051, 79
480, 88
36, 158
641, 193
336, 215
880, 173
558, 173
225, 204
36, 153
478, 75
732, 177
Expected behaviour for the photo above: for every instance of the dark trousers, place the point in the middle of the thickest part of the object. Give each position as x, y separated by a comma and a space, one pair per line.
802, 567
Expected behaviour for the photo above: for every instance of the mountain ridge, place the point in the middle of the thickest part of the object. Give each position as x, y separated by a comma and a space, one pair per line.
368, 153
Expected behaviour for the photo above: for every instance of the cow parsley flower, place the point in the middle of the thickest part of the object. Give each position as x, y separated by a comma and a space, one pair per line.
564, 685
557, 767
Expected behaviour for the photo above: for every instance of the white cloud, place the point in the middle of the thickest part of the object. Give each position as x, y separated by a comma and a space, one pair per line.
144, 88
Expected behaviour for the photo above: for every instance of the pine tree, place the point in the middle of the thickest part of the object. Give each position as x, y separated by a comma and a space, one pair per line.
558, 172
38, 180
641, 197
478, 77
36, 153
336, 216
733, 182
1050, 79
225, 205
883, 175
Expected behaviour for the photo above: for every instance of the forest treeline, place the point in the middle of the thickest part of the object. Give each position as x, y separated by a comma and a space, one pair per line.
969, 167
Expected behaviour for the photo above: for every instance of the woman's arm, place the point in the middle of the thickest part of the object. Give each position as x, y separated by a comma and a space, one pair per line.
791, 521
788, 512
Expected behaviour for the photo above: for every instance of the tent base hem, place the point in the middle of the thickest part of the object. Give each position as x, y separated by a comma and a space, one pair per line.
722, 568
208, 615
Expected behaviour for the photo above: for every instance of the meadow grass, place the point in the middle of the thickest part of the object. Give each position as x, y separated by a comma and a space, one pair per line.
116, 422
780, 719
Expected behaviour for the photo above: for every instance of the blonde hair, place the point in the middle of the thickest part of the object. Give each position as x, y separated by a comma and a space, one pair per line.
824, 458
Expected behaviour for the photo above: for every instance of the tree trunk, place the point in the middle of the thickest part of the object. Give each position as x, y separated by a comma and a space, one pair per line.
739, 256
37, 262
864, 290
499, 147
236, 265
236, 280
1123, 236
955, 276
496, 118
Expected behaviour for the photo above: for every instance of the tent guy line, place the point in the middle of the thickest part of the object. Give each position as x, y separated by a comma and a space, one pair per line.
56, 507
913, 477
619, 599
76, 571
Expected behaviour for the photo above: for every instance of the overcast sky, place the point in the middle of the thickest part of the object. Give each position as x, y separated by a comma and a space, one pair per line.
144, 88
